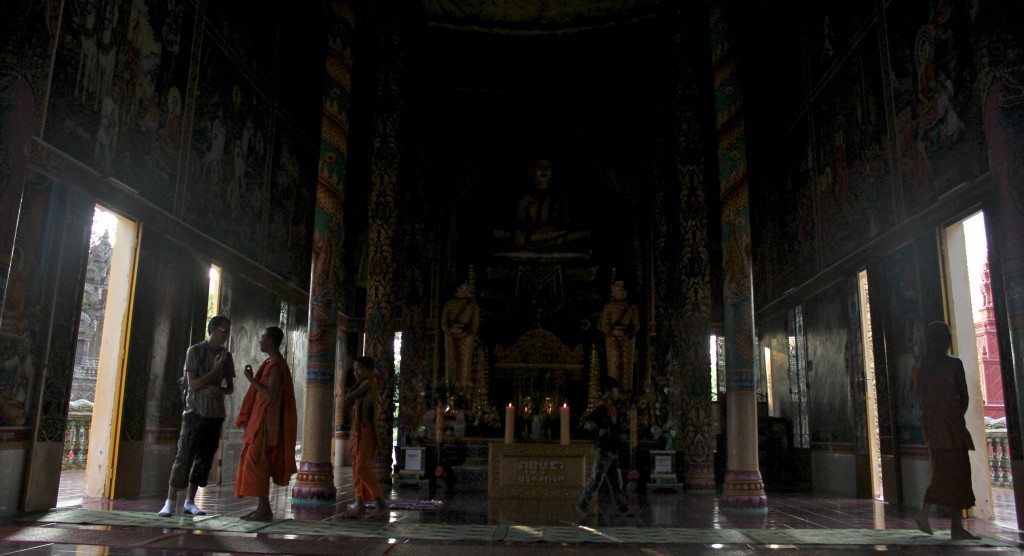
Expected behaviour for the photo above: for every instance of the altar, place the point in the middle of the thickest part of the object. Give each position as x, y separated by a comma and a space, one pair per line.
538, 470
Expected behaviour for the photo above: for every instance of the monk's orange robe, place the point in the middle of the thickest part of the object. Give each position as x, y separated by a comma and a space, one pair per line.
365, 440
268, 443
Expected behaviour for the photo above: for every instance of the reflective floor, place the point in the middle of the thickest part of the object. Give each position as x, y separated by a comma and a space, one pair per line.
657, 510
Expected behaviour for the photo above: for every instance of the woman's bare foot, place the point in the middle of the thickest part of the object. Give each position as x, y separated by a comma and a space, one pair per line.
247, 516
259, 517
962, 535
923, 525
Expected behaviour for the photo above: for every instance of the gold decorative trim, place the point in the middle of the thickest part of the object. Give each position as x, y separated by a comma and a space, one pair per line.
539, 348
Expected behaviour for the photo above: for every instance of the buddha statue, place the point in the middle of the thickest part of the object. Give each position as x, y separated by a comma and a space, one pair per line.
543, 224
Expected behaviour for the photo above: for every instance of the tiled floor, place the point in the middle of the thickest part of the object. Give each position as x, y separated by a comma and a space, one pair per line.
654, 510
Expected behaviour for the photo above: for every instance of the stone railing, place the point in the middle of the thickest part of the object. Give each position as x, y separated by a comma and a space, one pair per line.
76, 436
998, 451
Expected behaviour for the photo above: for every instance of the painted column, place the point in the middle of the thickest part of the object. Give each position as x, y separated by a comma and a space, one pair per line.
682, 368
743, 490
385, 159
693, 280
315, 479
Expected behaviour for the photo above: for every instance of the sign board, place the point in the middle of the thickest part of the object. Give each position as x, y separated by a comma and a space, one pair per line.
413, 459
538, 470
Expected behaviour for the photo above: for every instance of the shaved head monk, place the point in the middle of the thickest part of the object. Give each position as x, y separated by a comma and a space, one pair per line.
269, 418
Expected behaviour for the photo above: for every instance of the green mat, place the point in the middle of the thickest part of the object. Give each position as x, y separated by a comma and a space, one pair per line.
146, 519
573, 534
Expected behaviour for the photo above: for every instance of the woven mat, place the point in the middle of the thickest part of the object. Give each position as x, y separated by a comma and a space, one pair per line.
369, 529
145, 519
62, 535
885, 537
233, 544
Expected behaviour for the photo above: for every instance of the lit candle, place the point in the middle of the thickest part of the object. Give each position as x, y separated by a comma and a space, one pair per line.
510, 423
564, 414
633, 431
438, 423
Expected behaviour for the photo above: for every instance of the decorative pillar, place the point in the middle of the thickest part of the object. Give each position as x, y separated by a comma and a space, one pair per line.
384, 165
315, 479
743, 490
693, 276
681, 276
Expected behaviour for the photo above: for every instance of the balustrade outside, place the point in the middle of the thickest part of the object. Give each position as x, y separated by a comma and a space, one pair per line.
998, 451
76, 436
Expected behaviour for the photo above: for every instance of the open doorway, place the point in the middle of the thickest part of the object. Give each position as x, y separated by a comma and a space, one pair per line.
969, 304
90, 442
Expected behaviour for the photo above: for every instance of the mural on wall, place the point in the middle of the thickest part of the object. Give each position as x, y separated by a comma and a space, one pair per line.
904, 339
242, 28
17, 120
1000, 86
938, 125
829, 354
117, 96
20, 326
27, 31
17, 371
854, 183
831, 27
227, 164
290, 210
787, 222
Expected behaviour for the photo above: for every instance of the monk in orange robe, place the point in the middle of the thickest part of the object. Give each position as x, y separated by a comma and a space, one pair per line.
269, 418
365, 438
942, 393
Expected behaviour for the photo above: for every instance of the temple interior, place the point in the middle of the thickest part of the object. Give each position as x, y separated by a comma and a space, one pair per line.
745, 215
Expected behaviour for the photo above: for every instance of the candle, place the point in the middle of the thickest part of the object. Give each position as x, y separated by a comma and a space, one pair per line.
564, 414
633, 428
510, 423
438, 423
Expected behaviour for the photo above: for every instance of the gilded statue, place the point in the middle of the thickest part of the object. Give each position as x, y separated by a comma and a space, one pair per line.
619, 322
542, 216
460, 321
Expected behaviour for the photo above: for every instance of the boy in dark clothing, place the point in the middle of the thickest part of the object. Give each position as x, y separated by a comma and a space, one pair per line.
605, 420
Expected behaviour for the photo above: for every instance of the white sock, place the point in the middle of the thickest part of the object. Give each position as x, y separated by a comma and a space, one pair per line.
191, 508
168, 507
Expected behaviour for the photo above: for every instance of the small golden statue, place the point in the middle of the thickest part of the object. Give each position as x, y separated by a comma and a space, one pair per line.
619, 322
460, 321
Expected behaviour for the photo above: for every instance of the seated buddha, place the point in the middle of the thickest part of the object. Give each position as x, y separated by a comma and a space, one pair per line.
542, 222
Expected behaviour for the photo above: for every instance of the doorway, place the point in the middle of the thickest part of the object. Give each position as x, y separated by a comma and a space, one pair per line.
971, 316
90, 442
